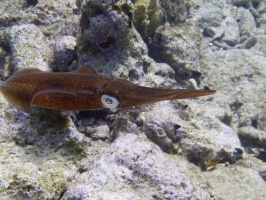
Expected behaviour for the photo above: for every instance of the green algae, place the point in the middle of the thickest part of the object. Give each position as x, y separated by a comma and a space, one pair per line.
147, 17
37, 171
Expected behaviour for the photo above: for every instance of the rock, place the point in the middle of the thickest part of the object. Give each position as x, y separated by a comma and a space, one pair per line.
28, 47
261, 46
126, 122
157, 134
117, 160
177, 133
114, 44
49, 15
215, 139
180, 52
108, 41
5, 60
71, 26
263, 175
209, 31
252, 137
11, 10
176, 11
104, 29
246, 22
231, 35
160, 75
261, 20
236, 28
244, 2
219, 32
64, 53
99, 132
247, 42
236, 87
207, 13
166, 122
249, 116
238, 178
34, 163
135, 168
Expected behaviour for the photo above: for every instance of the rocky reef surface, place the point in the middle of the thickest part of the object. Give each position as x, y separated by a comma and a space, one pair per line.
211, 147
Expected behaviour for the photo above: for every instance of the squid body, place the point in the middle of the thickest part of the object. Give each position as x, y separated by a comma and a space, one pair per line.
82, 89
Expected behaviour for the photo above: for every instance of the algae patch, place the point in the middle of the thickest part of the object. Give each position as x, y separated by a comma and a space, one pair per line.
147, 16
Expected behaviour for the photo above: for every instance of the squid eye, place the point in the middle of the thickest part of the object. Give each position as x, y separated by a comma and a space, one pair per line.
110, 102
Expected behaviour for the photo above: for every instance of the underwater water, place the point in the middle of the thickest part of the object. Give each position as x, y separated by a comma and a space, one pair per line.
141, 120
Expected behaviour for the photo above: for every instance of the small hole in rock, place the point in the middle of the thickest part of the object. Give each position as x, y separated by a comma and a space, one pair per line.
235, 105
31, 3
176, 126
133, 74
108, 44
226, 119
254, 123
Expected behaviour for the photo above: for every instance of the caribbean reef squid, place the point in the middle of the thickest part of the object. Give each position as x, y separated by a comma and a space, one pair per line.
82, 89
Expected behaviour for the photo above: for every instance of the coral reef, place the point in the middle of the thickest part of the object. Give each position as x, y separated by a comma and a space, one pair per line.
206, 148
150, 14
180, 51
105, 33
64, 52
130, 168
147, 16
242, 175
28, 46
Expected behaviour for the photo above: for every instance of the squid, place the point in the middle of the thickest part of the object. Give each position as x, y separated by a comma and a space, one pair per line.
82, 89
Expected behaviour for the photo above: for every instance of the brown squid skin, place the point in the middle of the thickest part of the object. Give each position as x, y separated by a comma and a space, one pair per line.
130, 94
81, 89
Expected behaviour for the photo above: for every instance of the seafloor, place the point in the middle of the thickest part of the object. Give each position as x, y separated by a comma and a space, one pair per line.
211, 147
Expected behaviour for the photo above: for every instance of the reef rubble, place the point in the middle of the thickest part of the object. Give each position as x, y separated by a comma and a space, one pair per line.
186, 149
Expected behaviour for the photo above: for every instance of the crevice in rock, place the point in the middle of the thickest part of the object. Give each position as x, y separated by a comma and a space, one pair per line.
30, 3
